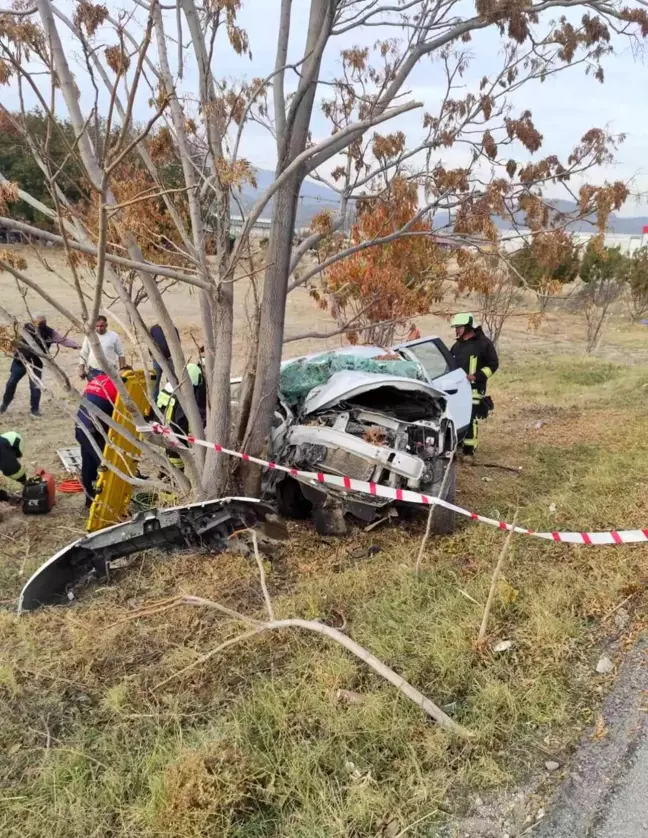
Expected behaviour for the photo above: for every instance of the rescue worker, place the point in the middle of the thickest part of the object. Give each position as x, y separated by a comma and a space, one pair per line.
174, 415
159, 338
477, 357
11, 452
102, 394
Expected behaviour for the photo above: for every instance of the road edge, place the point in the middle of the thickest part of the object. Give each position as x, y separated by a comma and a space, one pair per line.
598, 765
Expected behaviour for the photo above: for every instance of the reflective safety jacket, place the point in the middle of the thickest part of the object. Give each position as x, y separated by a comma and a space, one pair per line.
476, 356
11, 451
101, 393
170, 406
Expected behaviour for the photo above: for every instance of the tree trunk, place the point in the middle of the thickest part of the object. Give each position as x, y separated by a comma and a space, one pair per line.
219, 411
271, 329
249, 371
543, 301
275, 286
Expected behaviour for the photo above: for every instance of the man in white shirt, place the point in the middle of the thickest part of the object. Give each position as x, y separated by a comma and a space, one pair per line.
113, 349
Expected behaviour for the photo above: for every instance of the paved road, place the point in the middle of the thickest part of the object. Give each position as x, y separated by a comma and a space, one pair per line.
626, 812
606, 794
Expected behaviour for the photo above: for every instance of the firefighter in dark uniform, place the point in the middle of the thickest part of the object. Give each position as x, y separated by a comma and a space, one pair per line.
174, 415
477, 357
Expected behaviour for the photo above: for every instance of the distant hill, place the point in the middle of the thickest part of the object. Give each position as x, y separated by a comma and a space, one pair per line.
628, 226
314, 197
624, 226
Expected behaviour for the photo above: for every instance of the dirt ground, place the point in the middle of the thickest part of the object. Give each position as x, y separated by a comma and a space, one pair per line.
560, 333
89, 746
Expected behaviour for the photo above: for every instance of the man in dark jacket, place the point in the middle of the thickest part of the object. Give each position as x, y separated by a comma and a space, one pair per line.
102, 394
159, 338
477, 357
11, 452
28, 358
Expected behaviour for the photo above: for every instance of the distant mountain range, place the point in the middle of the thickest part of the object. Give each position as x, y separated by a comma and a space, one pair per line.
314, 197
616, 224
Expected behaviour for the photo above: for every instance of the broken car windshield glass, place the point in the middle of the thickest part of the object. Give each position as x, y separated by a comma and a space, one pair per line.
431, 358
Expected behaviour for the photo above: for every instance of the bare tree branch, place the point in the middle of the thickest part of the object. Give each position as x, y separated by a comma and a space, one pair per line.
338, 637
481, 637
91, 250
430, 518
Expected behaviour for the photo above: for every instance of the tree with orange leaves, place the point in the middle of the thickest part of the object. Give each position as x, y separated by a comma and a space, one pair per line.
377, 290
545, 264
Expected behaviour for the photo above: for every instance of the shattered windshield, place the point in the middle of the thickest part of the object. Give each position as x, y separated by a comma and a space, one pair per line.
301, 376
431, 358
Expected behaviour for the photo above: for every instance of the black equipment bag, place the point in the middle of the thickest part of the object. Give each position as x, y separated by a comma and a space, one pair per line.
35, 497
486, 406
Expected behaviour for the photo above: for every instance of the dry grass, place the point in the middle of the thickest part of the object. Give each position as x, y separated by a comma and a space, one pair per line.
255, 743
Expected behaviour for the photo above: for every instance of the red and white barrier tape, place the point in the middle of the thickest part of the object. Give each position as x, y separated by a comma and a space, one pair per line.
349, 484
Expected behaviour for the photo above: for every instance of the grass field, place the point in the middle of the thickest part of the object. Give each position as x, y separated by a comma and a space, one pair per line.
102, 737
255, 742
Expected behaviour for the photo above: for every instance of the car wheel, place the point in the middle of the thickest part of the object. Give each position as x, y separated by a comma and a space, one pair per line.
444, 522
329, 519
291, 502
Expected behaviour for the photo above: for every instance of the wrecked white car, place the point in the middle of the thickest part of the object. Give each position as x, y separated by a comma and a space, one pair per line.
389, 416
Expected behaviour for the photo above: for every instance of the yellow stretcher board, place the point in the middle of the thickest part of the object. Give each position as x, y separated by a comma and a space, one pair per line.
113, 493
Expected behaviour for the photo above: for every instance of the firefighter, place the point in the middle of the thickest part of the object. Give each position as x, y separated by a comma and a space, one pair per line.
174, 415
11, 452
476, 356
102, 394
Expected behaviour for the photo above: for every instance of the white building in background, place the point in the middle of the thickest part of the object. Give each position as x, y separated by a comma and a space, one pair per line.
627, 242
260, 228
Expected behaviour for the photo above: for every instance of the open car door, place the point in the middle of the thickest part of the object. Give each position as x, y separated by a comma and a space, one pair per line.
442, 373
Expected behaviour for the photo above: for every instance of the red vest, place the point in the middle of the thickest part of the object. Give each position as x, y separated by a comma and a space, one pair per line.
103, 387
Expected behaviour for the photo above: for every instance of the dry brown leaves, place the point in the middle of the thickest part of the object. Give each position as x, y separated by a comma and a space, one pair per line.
375, 436
8, 195
90, 16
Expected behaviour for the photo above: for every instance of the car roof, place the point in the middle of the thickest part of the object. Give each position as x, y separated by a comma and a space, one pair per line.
361, 350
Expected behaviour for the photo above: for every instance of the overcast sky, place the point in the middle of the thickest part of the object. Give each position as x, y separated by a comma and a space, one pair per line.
564, 107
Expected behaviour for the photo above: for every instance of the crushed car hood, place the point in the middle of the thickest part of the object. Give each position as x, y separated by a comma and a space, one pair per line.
349, 384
